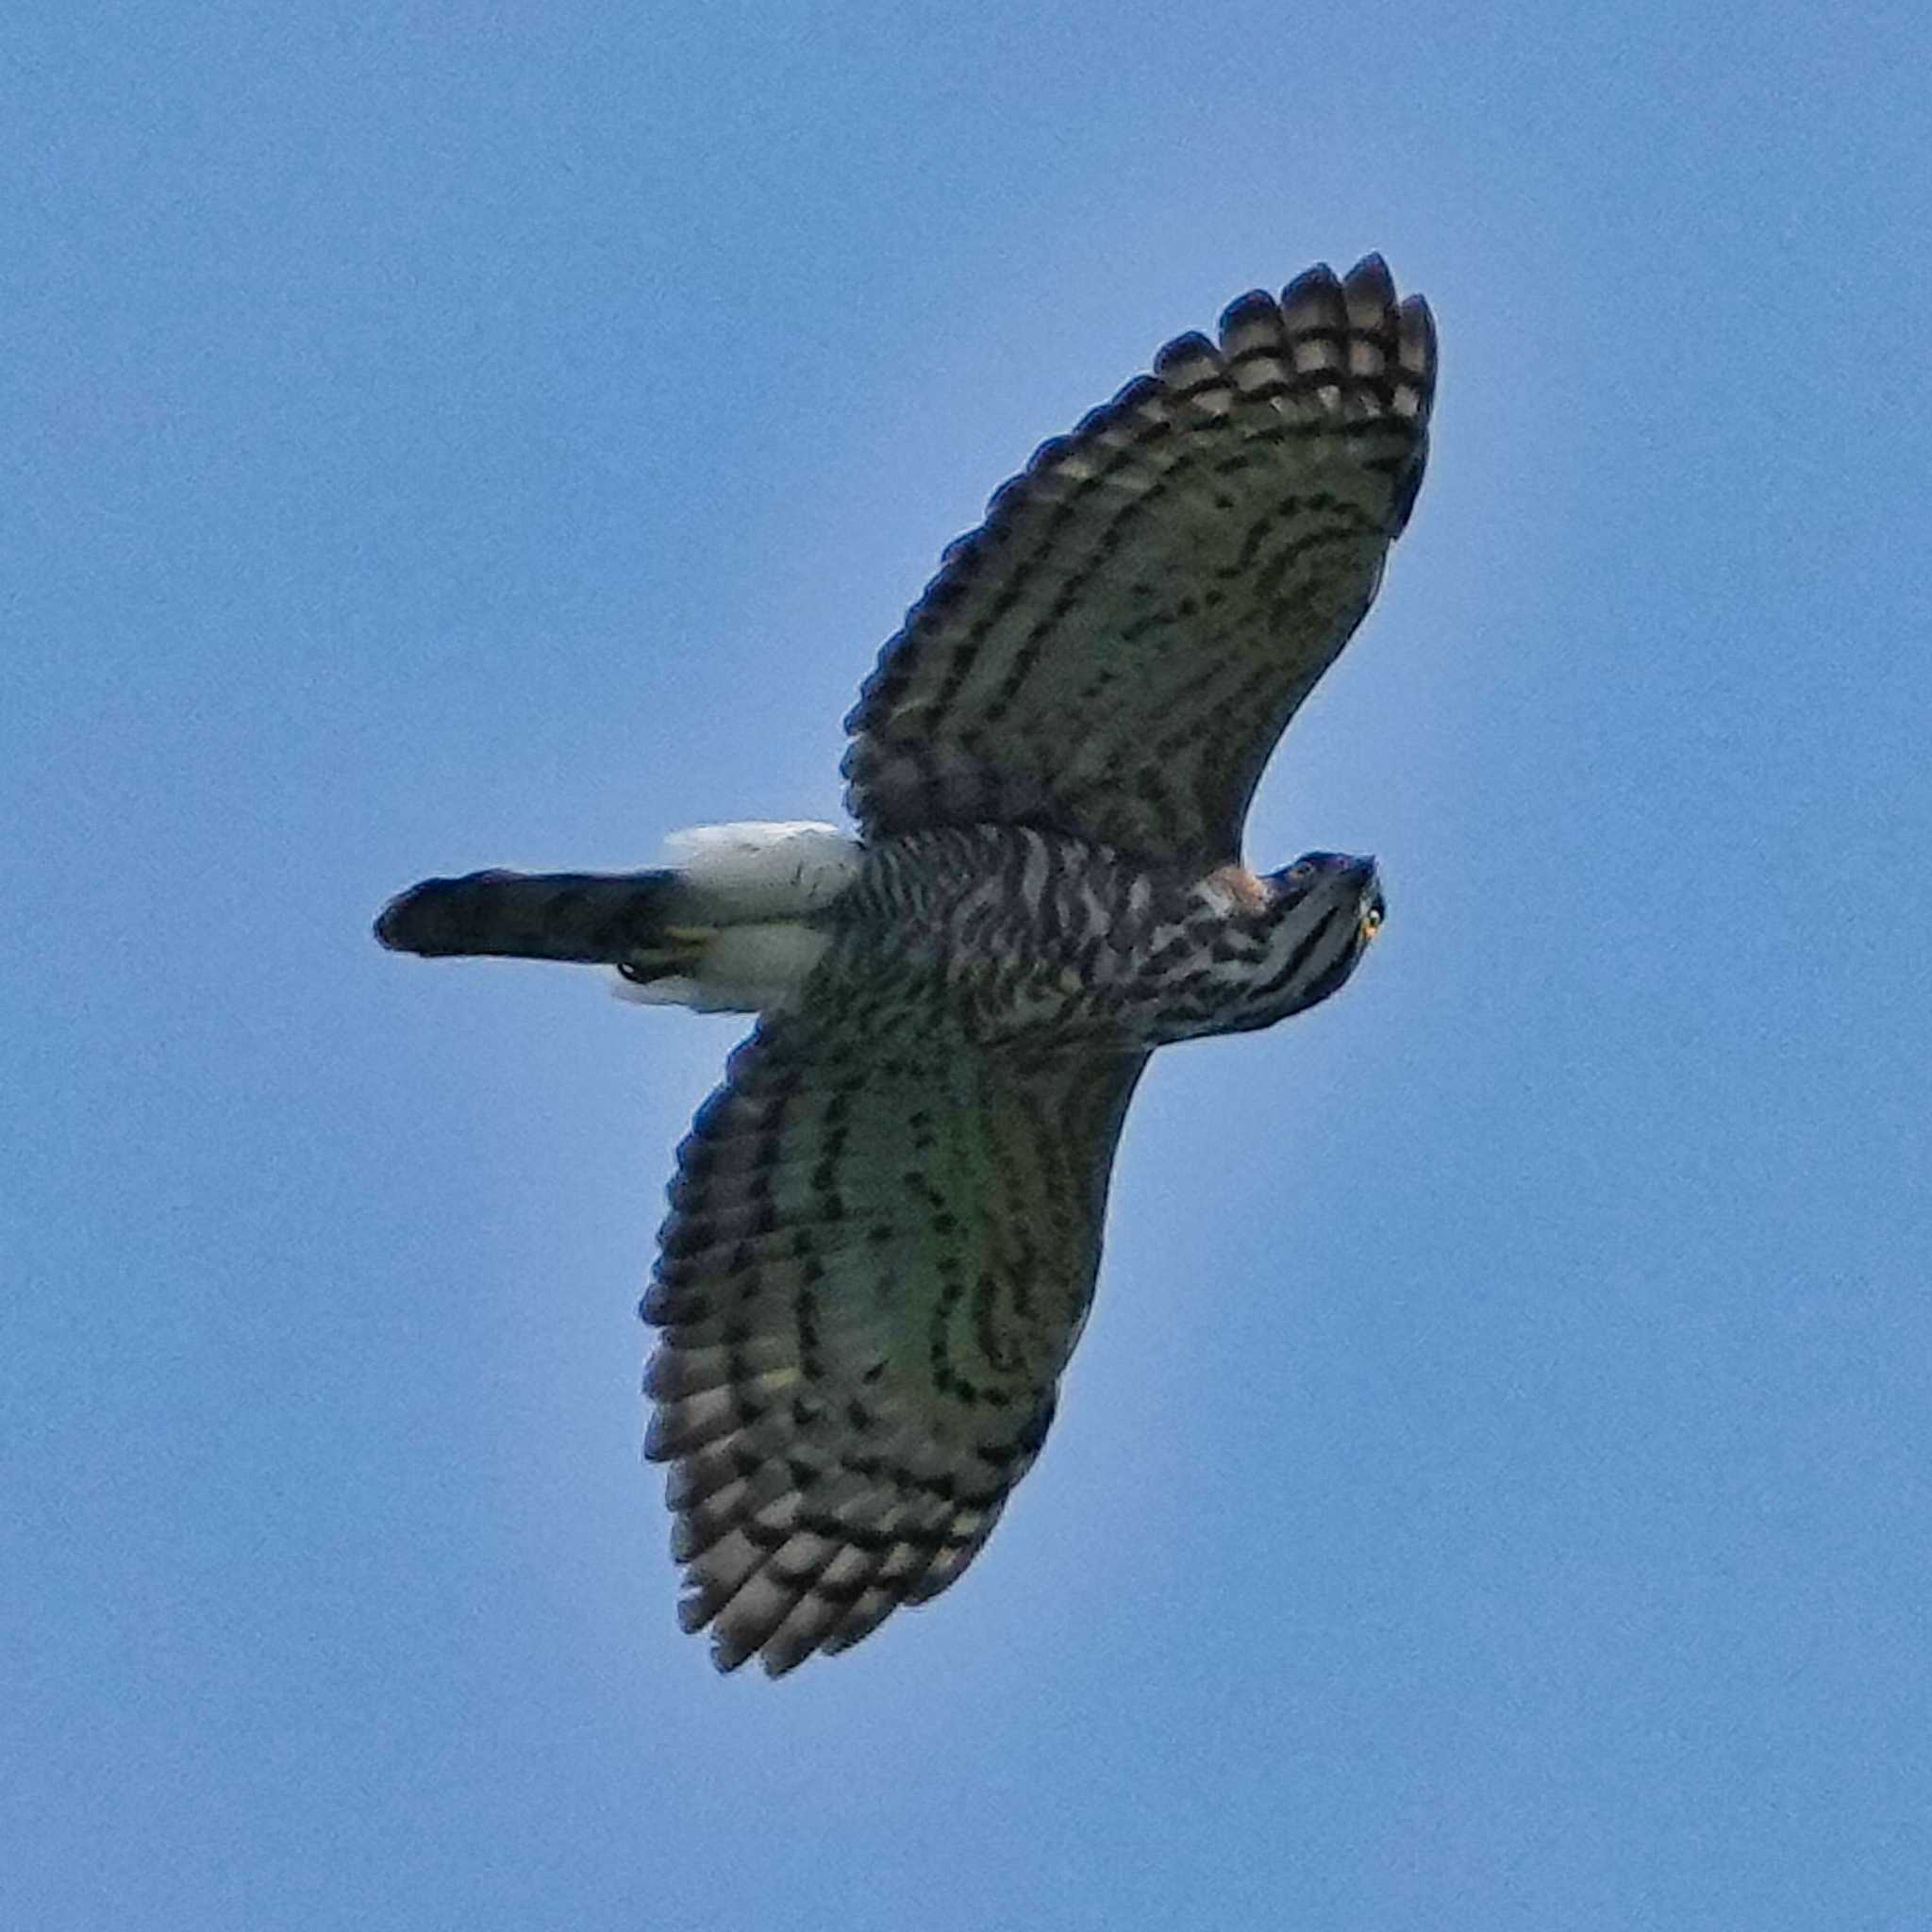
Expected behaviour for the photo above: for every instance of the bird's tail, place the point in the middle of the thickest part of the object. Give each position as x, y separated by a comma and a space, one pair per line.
734, 923
597, 918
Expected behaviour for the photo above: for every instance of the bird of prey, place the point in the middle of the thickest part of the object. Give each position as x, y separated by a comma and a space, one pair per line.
885, 1226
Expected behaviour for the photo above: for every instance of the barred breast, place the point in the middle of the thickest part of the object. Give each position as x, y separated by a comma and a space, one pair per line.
1003, 934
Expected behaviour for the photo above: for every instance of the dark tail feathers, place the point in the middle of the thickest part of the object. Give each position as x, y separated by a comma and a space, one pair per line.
599, 918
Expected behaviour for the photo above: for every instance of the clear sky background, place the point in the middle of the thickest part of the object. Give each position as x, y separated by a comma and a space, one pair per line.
1495, 1488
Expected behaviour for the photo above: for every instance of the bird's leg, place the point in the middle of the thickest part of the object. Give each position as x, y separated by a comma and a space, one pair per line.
678, 957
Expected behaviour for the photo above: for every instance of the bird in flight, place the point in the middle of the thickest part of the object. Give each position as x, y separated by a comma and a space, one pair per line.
885, 1226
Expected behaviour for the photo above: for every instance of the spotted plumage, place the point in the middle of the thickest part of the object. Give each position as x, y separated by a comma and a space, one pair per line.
885, 1227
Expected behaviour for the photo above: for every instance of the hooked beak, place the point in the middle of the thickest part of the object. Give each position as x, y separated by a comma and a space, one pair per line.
1368, 884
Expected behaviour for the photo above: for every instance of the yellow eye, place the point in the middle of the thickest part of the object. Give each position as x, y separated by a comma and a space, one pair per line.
1300, 871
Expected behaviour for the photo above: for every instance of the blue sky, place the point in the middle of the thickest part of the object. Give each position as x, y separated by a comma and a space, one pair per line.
1493, 1488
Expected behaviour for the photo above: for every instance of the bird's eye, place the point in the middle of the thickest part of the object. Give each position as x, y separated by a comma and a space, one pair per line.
1371, 922
1301, 872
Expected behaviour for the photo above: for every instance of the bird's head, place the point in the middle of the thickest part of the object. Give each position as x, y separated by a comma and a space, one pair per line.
1323, 911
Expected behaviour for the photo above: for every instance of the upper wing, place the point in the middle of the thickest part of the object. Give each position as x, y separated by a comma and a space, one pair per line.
873, 1274
1116, 649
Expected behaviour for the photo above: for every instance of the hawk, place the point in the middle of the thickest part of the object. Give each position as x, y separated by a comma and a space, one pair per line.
885, 1226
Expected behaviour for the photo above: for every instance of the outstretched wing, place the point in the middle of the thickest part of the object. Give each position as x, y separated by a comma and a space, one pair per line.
873, 1272
1115, 651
